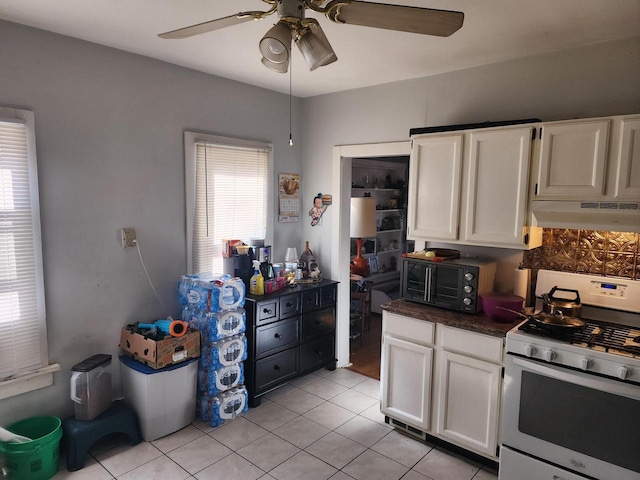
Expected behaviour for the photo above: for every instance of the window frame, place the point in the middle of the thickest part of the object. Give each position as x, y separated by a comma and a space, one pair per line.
191, 138
42, 376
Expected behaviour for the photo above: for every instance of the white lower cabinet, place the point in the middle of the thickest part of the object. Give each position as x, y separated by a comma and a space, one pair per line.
406, 369
407, 375
468, 402
444, 381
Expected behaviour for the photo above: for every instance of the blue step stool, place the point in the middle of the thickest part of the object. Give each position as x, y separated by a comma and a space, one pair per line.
79, 435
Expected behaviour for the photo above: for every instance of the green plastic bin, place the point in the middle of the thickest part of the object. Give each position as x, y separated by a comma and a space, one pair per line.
37, 459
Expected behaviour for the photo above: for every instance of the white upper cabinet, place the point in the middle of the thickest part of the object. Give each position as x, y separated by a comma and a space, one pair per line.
434, 187
573, 159
472, 187
628, 171
498, 185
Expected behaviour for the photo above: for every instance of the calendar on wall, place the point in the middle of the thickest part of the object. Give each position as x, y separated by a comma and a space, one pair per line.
288, 197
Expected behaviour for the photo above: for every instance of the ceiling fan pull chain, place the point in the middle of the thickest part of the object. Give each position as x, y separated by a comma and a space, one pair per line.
290, 75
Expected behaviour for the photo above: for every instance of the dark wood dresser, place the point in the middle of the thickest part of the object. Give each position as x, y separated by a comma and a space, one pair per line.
290, 333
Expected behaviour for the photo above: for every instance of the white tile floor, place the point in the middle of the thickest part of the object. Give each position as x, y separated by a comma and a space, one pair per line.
324, 425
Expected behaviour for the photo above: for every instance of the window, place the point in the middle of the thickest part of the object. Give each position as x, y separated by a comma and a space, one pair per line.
23, 341
227, 187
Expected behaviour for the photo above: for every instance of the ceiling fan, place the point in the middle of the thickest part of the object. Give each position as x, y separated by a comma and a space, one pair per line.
292, 25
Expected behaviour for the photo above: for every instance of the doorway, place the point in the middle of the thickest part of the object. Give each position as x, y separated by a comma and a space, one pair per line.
343, 157
385, 180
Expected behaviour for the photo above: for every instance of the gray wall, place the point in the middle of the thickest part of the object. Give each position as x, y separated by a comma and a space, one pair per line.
109, 134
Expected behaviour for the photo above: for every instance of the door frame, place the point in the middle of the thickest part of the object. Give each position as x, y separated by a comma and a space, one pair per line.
340, 241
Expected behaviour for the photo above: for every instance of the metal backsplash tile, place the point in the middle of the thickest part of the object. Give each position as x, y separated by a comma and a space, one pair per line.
612, 254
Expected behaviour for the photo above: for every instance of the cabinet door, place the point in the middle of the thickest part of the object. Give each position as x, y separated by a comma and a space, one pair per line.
405, 378
628, 179
573, 159
434, 187
468, 402
497, 188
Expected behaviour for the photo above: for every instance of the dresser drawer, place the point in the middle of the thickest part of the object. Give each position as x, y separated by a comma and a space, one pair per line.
319, 322
310, 300
328, 296
275, 337
266, 312
289, 306
316, 353
276, 369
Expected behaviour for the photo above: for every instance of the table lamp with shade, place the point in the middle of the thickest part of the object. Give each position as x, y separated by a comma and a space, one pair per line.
363, 225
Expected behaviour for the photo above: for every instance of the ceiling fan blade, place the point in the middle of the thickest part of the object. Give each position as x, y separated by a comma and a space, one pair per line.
426, 21
211, 25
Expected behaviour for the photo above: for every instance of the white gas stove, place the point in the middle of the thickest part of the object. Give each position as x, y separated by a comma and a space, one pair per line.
608, 345
570, 399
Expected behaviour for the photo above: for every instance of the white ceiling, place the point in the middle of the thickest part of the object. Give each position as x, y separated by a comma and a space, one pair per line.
493, 31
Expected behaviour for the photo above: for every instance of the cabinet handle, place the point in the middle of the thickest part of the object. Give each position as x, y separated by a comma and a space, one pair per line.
289, 305
266, 310
318, 322
277, 335
319, 352
276, 367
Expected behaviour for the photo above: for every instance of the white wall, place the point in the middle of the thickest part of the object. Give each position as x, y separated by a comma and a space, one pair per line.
109, 134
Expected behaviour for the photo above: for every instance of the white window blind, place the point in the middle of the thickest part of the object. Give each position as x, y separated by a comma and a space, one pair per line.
23, 345
231, 193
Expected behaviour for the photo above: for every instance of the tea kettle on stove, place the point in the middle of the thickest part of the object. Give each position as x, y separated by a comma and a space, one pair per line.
570, 307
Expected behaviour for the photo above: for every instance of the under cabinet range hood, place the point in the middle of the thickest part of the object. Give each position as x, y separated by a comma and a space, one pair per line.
623, 216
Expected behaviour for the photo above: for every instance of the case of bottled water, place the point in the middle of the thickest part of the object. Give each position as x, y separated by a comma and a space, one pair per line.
213, 382
211, 292
215, 326
224, 406
224, 352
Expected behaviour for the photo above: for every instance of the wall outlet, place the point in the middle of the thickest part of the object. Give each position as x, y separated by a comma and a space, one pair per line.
128, 236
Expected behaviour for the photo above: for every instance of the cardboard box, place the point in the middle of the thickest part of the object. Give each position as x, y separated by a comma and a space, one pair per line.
227, 247
162, 353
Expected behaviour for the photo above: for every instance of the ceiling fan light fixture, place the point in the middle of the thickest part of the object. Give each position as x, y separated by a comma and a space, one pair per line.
315, 46
275, 46
276, 67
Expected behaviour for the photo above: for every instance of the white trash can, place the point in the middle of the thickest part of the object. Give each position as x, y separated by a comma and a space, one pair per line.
164, 399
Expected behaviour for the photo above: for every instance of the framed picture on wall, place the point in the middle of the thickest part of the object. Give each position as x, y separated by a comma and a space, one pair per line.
373, 265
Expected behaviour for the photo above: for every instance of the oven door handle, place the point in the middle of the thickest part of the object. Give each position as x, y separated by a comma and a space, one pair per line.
585, 380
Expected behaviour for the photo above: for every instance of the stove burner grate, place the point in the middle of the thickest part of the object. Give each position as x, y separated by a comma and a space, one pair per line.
595, 335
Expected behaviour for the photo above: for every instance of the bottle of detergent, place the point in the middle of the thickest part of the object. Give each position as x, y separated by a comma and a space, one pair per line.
256, 283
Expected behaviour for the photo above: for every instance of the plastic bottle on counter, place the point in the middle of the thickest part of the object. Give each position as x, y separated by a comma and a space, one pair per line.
256, 283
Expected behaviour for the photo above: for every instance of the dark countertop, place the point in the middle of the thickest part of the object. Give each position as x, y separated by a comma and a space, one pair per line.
476, 323
297, 288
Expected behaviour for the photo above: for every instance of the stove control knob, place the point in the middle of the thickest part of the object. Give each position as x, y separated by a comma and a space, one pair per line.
467, 301
623, 373
585, 363
468, 288
549, 355
468, 276
529, 351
